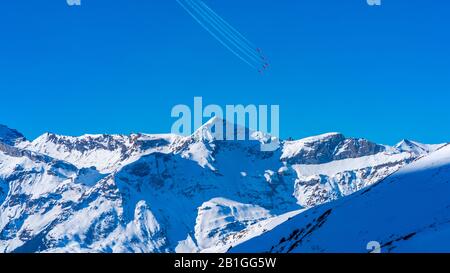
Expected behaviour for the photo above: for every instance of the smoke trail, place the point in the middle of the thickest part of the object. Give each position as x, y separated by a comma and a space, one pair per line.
234, 38
213, 34
231, 28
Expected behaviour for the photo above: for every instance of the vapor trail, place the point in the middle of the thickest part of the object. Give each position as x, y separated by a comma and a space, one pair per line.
231, 28
214, 35
224, 33
218, 24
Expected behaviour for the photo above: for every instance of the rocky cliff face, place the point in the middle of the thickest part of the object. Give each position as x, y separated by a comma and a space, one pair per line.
407, 212
10, 136
331, 166
166, 193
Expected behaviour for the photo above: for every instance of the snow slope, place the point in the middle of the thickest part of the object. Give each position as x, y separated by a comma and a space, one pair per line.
106, 153
406, 212
330, 166
10, 136
167, 193
416, 147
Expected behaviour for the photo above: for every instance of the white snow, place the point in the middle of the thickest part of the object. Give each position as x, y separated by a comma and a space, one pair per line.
167, 193
416, 147
407, 212
77, 151
349, 164
292, 148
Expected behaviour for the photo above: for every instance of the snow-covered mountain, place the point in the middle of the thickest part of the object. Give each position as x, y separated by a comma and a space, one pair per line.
10, 136
107, 153
416, 148
166, 193
331, 166
406, 212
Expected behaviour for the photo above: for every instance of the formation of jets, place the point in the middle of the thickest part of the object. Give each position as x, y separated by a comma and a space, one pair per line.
225, 34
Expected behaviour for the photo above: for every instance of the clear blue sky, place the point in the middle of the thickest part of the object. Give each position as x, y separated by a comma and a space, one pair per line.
119, 66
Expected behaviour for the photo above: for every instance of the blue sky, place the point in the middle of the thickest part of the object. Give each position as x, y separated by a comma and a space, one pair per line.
119, 66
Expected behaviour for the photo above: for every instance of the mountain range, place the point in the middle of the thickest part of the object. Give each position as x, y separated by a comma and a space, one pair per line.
170, 193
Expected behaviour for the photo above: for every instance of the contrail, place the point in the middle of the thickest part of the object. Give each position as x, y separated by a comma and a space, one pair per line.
234, 38
249, 44
214, 35
224, 33
231, 28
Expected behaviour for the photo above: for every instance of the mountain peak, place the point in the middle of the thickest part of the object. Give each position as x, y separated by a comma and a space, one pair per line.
328, 147
322, 137
10, 136
216, 129
417, 148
